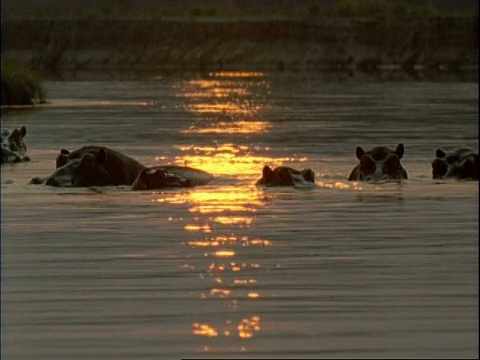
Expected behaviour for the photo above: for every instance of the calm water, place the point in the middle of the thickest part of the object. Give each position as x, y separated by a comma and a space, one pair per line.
230, 269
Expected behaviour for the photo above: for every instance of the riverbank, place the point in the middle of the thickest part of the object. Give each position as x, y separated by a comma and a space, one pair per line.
20, 85
443, 44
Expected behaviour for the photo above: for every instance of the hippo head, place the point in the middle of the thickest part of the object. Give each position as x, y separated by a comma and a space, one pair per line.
380, 163
285, 176
158, 178
88, 170
13, 140
62, 159
462, 163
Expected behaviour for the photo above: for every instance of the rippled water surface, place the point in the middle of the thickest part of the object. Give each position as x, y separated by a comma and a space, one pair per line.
231, 269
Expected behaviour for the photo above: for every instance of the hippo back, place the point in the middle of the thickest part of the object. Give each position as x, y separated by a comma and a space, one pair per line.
92, 166
199, 177
158, 177
122, 169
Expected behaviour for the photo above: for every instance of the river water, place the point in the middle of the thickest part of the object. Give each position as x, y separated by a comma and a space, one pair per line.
229, 270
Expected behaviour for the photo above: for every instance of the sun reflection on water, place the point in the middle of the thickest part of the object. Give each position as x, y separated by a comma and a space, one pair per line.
245, 329
230, 159
216, 241
226, 103
231, 127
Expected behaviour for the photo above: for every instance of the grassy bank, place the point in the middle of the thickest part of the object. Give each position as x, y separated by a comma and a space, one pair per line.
232, 9
214, 43
20, 84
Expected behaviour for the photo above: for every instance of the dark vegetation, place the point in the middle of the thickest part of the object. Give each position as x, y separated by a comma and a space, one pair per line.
287, 9
20, 85
364, 35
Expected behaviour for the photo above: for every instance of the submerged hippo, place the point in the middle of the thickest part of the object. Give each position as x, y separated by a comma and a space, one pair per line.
379, 163
286, 176
13, 146
92, 166
462, 163
158, 177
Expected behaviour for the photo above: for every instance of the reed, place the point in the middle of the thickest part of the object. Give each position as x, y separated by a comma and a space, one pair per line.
20, 84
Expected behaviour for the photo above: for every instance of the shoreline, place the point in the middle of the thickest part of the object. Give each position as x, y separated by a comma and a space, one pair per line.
325, 44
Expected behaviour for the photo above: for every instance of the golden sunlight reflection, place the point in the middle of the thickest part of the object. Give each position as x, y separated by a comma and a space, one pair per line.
253, 295
237, 74
201, 228
221, 240
340, 185
238, 220
231, 127
204, 330
232, 266
230, 159
226, 102
244, 281
227, 285
241, 198
248, 327
220, 292
224, 253
244, 328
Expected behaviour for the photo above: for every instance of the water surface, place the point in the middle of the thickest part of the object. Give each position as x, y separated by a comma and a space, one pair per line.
231, 269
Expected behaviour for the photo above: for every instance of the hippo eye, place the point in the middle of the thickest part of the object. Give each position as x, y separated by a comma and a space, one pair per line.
393, 161
367, 165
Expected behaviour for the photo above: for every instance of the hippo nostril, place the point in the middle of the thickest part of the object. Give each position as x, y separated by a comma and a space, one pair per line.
36, 181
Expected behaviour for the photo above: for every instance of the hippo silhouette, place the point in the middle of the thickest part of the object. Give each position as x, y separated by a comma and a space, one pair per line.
167, 176
13, 146
286, 176
92, 166
461, 164
379, 163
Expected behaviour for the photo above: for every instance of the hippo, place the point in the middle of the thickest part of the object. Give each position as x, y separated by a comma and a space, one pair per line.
92, 166
13, 146
461, 164
379, 163
286, 176
167, 176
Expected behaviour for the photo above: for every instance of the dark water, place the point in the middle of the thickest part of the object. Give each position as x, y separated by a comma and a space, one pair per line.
230, 269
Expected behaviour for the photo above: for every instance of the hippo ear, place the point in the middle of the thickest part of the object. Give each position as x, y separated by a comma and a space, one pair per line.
101, 156
440, 153
267, 172
16, 134
359, 152
400, 150
309, 175
64, 152
23, 131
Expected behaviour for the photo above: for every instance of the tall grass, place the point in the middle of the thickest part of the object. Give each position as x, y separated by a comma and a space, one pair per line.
286, 9
381, 9
20, 84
